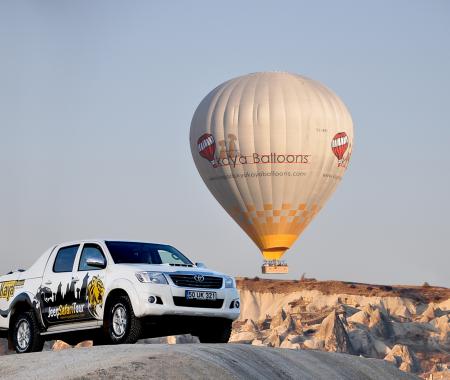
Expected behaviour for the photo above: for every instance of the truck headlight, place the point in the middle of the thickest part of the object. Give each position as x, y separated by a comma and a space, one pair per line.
229, 282
151, 277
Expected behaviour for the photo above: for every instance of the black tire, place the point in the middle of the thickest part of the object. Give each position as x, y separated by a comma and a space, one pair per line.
132, 327
35, 343
215, 331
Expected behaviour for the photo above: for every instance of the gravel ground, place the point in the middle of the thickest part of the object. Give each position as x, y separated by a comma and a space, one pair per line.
194, 361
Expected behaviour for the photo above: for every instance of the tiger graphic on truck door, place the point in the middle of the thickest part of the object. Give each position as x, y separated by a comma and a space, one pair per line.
95, 295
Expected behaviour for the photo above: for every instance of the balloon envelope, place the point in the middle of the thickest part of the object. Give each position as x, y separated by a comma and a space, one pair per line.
271, 148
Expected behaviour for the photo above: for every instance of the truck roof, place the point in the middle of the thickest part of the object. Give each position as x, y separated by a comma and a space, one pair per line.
105, 240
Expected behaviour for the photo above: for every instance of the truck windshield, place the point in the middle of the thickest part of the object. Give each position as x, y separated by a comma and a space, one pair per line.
145, 253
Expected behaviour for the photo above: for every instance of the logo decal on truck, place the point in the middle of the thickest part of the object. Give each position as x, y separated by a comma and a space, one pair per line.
66, 311
199, 278
80, 301
95, 293
7, 288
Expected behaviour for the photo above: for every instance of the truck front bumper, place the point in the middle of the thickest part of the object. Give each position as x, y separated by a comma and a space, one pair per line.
171, 297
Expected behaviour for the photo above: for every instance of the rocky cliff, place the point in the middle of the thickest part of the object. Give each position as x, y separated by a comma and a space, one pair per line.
408, 326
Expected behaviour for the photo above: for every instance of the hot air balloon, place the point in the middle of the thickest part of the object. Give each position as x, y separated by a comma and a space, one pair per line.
272, 148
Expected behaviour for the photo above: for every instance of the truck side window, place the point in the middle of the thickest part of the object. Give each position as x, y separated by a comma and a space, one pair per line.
65, 259
90, 251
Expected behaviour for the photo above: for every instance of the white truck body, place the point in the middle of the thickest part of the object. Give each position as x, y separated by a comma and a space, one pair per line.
74, 299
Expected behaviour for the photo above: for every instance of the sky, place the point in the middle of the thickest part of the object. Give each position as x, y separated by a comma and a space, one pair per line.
96, 100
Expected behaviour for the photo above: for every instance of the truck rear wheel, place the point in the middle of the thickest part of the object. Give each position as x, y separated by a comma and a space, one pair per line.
120, 323
25, 334
215, 331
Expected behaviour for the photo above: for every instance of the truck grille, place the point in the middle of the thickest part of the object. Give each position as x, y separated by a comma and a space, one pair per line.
189, 281
210, 304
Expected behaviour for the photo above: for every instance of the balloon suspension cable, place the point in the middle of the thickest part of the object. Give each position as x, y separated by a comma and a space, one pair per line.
274, 266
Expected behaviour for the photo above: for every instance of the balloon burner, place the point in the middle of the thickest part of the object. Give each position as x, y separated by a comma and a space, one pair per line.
274, 266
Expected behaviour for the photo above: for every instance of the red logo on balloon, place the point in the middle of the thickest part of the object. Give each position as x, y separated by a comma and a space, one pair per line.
206, 146
339, 146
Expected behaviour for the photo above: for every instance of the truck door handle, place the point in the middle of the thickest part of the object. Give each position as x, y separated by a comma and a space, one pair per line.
48, 282
74, 279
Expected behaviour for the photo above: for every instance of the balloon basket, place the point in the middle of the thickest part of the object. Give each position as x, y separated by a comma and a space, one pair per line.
274, 267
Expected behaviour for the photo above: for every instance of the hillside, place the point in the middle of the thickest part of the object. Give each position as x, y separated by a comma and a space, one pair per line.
424, 294
206, 361
406, 325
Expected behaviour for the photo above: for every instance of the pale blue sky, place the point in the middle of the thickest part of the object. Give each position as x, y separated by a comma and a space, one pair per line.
96, 99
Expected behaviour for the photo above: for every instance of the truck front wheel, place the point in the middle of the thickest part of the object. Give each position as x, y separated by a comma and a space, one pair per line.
120, 323
25, 334
215, 331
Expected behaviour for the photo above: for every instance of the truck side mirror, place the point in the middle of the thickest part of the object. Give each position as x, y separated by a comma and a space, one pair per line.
96, 262
200, 265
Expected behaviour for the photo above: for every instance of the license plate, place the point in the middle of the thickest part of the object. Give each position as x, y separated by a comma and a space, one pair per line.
200, 295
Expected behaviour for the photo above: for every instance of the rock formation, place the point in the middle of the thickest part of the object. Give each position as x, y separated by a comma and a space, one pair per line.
403, 358
61, 345
333, 334
408, 326
174, 339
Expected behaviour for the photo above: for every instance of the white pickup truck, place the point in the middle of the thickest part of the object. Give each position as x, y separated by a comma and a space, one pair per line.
114, 292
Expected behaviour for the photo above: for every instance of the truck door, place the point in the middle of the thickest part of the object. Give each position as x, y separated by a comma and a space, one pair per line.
89, 277
57, 296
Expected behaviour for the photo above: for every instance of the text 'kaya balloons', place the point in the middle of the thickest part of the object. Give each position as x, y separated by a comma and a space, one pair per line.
271, 148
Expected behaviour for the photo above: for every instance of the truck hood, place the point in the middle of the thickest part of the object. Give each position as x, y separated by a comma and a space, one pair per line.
166, 268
